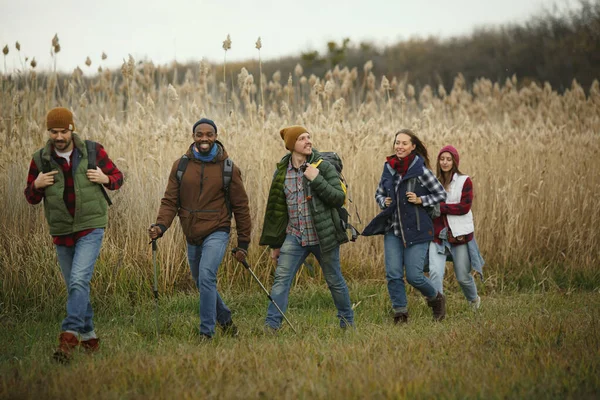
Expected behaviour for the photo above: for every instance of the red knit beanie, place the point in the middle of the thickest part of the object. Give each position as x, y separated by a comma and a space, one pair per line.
451, 150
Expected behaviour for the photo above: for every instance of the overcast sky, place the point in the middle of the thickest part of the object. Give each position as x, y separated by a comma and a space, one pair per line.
192, 30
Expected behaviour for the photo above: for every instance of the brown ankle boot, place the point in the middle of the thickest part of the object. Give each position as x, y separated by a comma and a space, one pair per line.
67, 342
91, 345
438, 306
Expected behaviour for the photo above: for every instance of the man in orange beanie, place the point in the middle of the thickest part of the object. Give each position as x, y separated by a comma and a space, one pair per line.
68, 175
301, 219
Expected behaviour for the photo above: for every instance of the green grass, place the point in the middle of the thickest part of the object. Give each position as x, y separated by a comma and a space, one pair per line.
520, 345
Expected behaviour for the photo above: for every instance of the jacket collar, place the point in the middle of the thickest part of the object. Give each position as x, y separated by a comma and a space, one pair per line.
78, 145
314, 157
415, 168
221, 153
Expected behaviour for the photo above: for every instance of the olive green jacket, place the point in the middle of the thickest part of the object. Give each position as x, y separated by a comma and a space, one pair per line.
327, 196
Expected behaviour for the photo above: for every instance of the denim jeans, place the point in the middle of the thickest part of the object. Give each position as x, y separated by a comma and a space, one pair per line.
397, 260
204, 262
77, 265
291, 257
462, 269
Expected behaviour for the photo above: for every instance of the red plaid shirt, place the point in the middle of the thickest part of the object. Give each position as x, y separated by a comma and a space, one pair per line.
300, 221
34, 196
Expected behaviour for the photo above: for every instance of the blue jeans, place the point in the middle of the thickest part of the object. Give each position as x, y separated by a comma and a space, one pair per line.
397, 260
77, 265
204, 263
462, 269
291, 257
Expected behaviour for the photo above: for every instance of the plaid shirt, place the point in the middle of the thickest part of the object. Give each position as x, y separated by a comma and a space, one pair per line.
35, 196
300, 222
429, 181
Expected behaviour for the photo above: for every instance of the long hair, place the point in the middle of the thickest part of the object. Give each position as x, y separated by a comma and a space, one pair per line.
420, 148
442, 177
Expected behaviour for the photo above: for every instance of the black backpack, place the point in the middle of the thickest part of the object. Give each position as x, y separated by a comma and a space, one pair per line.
90, 146
334, 159
227, 174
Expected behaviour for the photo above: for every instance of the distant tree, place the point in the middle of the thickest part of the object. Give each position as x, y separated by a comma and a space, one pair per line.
311, 59
337, 53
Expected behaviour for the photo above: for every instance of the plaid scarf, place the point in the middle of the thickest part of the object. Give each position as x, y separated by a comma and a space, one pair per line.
401, 165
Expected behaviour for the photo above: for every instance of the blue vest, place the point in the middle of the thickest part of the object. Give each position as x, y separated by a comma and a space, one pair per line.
416, 223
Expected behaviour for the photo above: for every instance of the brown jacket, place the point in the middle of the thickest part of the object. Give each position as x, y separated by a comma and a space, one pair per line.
202, 209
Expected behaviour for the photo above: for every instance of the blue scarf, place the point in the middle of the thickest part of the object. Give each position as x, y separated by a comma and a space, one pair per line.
205, 158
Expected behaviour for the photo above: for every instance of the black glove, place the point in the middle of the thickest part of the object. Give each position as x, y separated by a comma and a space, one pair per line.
239, 254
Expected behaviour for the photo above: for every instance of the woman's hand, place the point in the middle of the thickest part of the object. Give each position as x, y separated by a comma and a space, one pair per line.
413, 198
387, 201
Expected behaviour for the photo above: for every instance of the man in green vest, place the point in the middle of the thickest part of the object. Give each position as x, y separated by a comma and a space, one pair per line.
301, 218
70, 175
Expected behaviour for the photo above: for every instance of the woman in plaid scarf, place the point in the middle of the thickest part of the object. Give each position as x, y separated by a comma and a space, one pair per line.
406, 187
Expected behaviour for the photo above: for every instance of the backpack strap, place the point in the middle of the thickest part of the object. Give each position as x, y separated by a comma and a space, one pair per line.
316, 165
183, 162
92, 164
410, 185
91, 151
227, 176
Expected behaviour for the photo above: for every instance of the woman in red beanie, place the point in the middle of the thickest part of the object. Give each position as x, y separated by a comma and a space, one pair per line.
453, 229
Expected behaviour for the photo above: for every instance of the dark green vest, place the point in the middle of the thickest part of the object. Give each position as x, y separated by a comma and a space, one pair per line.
91, 208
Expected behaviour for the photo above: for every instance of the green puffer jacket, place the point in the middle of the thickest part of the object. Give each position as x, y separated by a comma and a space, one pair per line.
327, 196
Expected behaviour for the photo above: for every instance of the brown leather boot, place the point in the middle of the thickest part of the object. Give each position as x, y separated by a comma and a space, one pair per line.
67, 342
438, 306
91, 345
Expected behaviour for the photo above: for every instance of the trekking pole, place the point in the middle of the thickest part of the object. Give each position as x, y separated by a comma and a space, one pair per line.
155, 288
245, 264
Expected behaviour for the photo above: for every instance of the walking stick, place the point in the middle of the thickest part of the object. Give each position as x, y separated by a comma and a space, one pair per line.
245, 264
155, 289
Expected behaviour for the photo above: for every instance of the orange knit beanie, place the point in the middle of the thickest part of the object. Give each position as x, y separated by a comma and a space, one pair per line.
60, 117
290, 135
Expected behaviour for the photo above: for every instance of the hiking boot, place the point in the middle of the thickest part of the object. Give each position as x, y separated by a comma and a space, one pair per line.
204, 338
475, 304
269, 330
91, 345
400, 318
67, 342
229, 329
438, 306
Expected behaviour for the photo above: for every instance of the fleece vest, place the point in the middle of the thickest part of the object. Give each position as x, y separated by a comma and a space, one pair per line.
459, 224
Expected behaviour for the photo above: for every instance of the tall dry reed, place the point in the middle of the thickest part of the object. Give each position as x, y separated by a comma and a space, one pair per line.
532, 154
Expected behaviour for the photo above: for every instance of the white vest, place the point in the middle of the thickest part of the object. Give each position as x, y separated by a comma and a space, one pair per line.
459, 224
